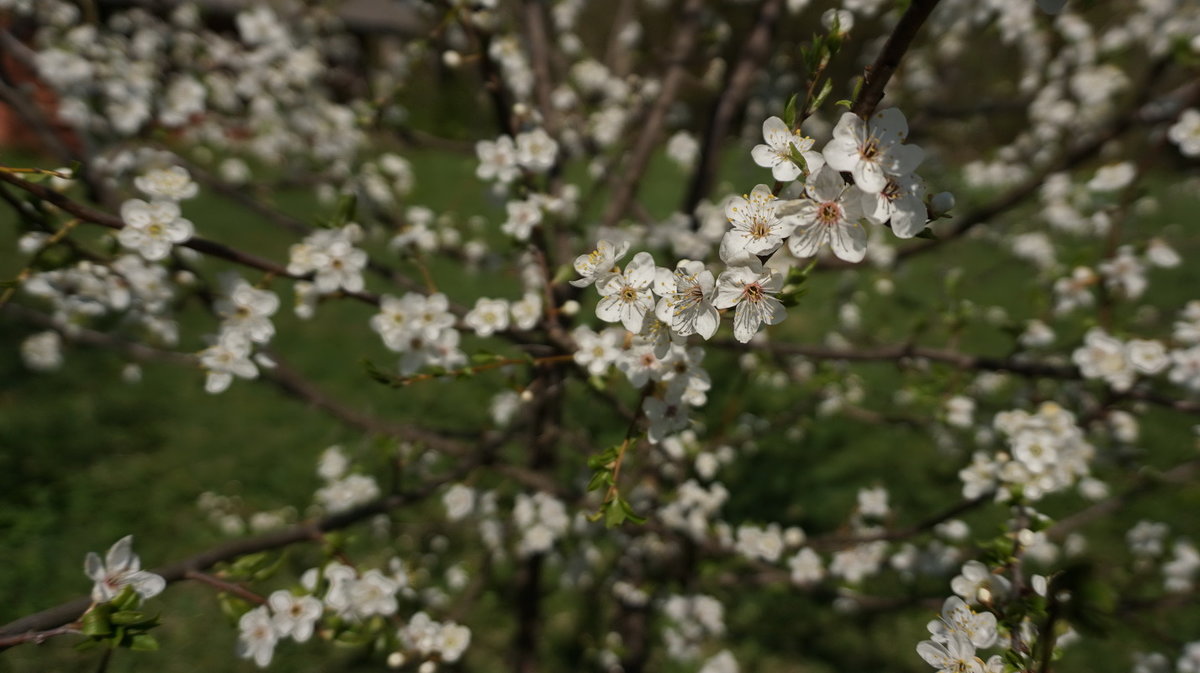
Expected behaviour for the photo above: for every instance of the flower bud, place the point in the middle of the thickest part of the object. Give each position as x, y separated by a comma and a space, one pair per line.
451, 59
941, 204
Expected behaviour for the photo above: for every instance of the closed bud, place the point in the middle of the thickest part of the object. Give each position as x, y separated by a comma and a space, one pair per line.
941, 204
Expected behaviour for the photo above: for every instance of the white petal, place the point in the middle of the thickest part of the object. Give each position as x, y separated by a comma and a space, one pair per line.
785, 171
826, 184
633, 316
869, 177
147, 584
640, 271
908, 216
849, 126
807, 240
841, 153
707, 322
745, 322
849, 242
609, 309
903, 159
890, 124
93, 567
772, 311
764, 156
119, 555
776, 133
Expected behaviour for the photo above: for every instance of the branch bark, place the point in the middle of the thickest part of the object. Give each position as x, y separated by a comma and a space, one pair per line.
881, 71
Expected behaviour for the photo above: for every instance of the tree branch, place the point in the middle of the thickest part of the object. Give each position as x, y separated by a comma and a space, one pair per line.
881, 71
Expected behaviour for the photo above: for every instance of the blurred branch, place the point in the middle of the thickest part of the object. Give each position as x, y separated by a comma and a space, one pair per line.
838, 541
1070, 159
1030, 368
1146, 483
630, 176
226, 587
539, 58
732, 99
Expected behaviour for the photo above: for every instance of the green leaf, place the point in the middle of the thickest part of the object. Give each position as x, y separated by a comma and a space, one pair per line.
126, 600
485, 357
627, 509
846, 103
819, 100
130, 617
89, 644
614, 514
603, 458
796, 157
927, 233
789, 112
600, 480
246, 565
268, 571
380, 376
347, 206
143, 642
96, 622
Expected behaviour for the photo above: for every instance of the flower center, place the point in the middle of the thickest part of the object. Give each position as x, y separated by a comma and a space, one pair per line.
829, 213
753, 292
870, 150
629, 294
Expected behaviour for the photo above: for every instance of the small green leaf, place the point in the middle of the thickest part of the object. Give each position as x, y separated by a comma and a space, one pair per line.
627, 509
603, 458
600, 480
928, 234
614, 514
485, 357
347, 206
796, 157
96, 623
129, 617
143, 642
789, 112
126, 600
819, 100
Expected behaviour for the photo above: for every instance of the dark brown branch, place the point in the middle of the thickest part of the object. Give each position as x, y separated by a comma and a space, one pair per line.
904, 351
881, 71
639, 158
37, 637
227, 587
104, 219
834, 542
